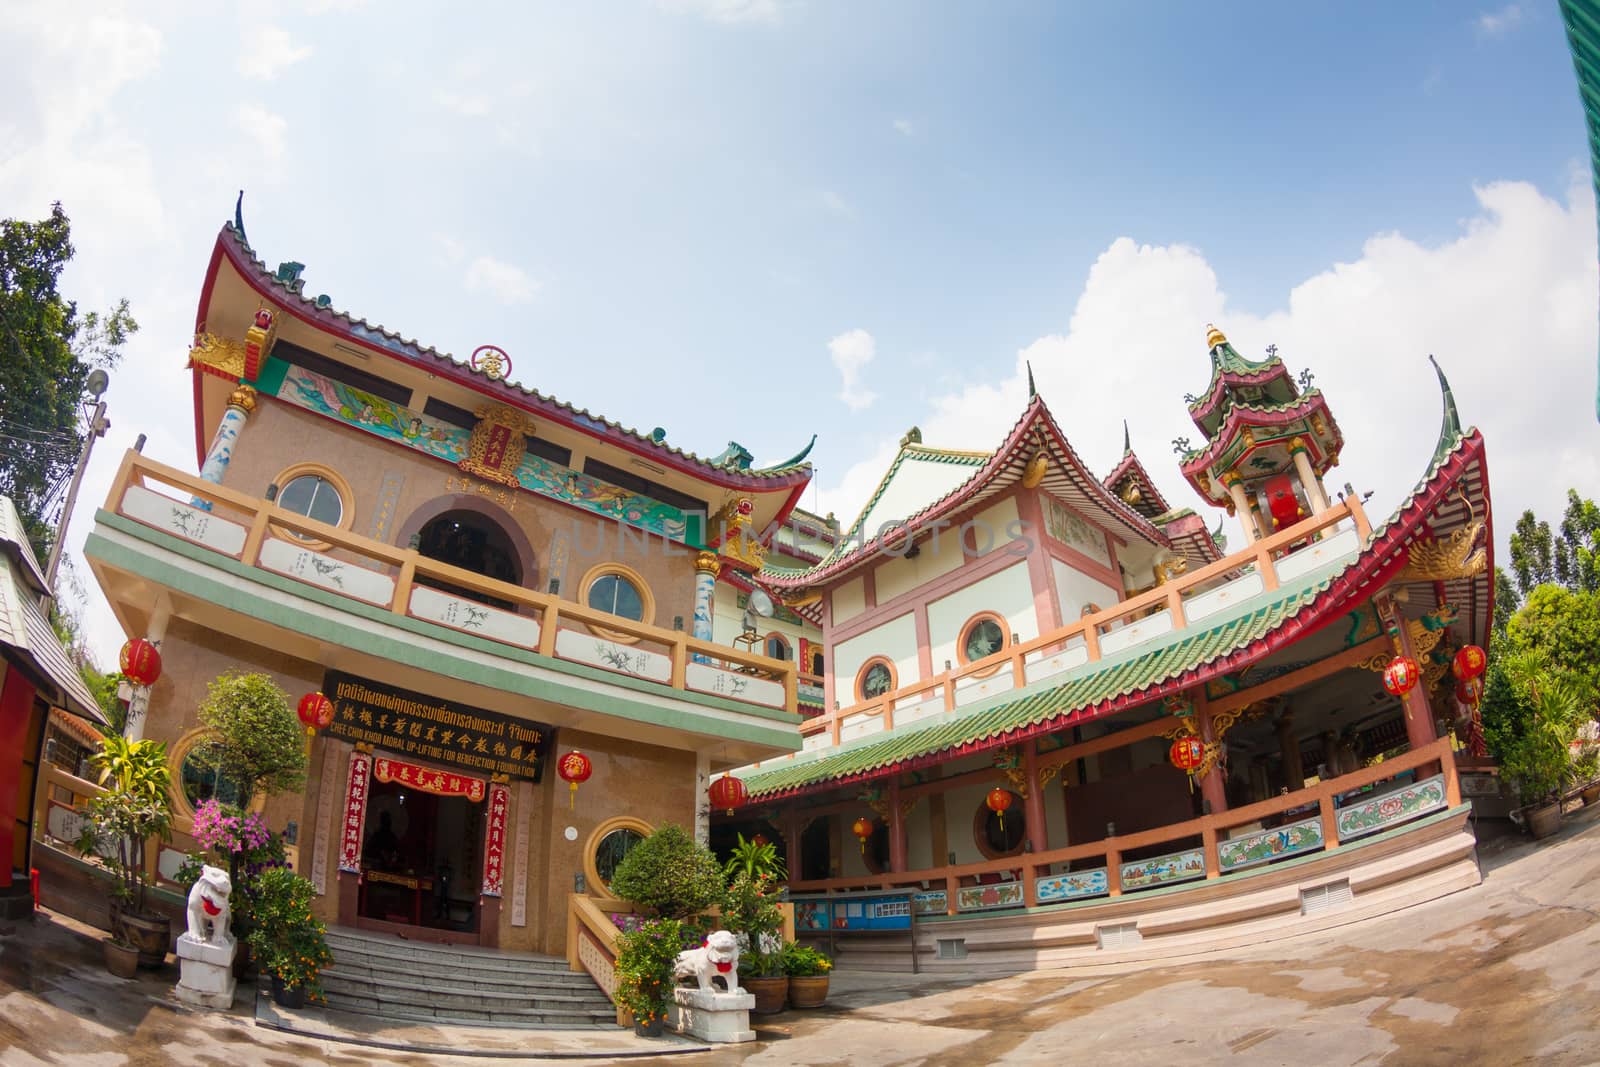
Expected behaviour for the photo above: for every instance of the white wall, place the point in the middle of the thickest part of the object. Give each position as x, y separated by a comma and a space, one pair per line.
727, 622
849, 600
1007, 593
895, 639
1074, 589
895, 577
991, 525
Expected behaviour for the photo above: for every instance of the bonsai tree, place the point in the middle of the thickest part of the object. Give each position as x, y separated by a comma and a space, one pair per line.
261, 744
287, 941
135, 806
644, 970
670, 875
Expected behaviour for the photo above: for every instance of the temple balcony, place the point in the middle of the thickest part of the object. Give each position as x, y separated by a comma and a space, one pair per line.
249, 570
1129, 637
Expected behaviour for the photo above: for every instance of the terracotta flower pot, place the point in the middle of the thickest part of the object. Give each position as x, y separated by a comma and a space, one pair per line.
1544, 821
770, 993
809, 991
652, 1028
1590, 793
153, 935
121, 960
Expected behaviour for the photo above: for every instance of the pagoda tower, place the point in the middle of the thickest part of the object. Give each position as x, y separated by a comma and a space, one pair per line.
1268, 441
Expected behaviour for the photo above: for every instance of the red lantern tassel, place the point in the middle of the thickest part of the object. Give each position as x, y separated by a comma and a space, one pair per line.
572, 795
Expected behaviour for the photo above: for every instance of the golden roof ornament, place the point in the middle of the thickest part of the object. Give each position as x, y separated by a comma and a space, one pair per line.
1214, 336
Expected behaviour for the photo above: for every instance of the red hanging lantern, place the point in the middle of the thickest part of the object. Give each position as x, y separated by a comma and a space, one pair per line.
141, 662
574, 768
1187, 753
759, 840
1470, 691
1401, 676
728, 793
862, 828
316, 711
1470, 662
998, 801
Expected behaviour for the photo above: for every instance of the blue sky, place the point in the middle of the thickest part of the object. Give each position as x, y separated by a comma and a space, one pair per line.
667, 211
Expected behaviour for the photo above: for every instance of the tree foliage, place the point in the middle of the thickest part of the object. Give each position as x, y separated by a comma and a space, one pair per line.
47, 349
1567, 556
1558, 630
669, 874
261, 743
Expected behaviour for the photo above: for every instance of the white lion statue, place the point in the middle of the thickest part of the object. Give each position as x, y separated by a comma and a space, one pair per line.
717, 958
208, 907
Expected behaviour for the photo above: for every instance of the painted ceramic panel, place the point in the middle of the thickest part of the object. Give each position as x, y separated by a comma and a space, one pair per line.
1380, 813
1264, 846
860, 726
318, 569
1058, 663
812, 915
971, 690
809, 693
1160, 870
911, 713
1340, 547
1151, 626
984, 897
1070, 528
1224, 596
598, 652
932, 903
822, 739
412, 429
474, 618
183, 520
1072, 885
704, 678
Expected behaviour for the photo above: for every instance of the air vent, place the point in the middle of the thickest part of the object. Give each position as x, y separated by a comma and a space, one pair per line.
952, 948
1119, 935
1321, 898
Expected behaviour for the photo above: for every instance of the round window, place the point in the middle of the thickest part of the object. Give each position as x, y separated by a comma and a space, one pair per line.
314, 497
612, 848
615, 594
983, 638
876, 680
202, 778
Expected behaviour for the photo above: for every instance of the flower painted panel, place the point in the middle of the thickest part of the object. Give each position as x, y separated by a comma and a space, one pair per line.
469, 616
318, 569
1380, 813
1264, 846
934, 902
1161, 870
613, 656
704, 678
985, 897
1072, 885
183, 520
812, 915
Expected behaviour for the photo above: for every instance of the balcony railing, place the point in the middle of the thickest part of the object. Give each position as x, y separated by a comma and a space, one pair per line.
1321, 817
1189, 599
262, 535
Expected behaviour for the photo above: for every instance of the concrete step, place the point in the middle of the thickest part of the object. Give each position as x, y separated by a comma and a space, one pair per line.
462, 955
515, 1021
468, 971
425, 995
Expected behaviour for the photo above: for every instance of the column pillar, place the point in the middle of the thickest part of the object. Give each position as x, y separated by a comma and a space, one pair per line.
1241, 506
702, 798
706, 568
1293, 770
241, 403
1033, 803
1419, 714
897, 827
1308, 477
139, 703
1213, 787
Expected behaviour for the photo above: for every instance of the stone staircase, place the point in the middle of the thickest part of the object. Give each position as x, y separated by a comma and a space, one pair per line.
410, 981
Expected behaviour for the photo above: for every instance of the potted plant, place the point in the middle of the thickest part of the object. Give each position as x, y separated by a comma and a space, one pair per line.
241, 842
644, 964
1537, 765
669, 875
134, 806
808, 975
1586, 771
750, 911
288, 942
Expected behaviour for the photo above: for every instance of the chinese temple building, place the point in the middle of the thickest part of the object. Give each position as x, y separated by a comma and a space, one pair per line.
1061, 717
505, 601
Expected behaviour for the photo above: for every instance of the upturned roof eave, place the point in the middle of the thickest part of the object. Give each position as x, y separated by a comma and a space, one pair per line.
1306, 404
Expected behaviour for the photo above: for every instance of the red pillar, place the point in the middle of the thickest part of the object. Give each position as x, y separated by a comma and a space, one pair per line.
1212, 787
897, 828
16, 710
1033, 803
1419, 716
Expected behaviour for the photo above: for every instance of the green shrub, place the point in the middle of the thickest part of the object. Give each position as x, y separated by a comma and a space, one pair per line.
287, 941
644, 968
262, 744
802, 961
669, 874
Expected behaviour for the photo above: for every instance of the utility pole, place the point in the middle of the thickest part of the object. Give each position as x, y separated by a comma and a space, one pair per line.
98, 425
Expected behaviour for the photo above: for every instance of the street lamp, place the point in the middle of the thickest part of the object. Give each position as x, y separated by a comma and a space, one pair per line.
98, 425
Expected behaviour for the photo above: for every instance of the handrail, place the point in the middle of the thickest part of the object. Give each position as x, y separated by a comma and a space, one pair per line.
1208, 828
264, 518
1170, 596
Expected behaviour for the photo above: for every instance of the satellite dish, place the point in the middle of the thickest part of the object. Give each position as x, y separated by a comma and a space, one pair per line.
761, 603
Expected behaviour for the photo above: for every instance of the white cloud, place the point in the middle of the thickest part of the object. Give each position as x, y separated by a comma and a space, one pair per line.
1499, 23
1508, 308
267, 51
470, 105
726, 11
837, 204
851, 352
506, 283
905, 127
267, 130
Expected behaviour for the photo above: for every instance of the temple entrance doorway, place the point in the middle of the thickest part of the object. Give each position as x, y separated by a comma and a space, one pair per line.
474, 542
421, 858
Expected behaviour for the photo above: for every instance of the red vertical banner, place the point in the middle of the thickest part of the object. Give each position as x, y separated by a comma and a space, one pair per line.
494, 841
803, 664
355, 812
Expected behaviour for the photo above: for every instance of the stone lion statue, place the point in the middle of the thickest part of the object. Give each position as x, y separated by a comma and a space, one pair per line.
717, 958
208, 906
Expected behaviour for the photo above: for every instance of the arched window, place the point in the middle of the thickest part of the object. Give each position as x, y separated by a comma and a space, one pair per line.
995, 836
875, 678
620, 591
472, 541
777, 646
606, 847
199, 777
312, 490
816, 662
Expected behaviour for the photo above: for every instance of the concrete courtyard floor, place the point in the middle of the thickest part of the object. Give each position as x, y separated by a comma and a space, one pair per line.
1506, 973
